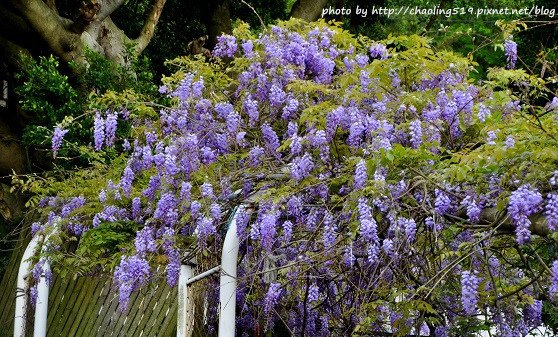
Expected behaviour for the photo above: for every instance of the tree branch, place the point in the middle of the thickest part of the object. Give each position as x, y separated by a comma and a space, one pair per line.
52, 5
491, 216
11, 52
107, 7
87, 14
49, 26
149, 27
14, 28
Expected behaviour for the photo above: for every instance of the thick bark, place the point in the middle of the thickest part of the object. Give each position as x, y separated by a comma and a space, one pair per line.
149, 27
218, 20
11, 153
93, 28
48, 25
308, 10
11, 52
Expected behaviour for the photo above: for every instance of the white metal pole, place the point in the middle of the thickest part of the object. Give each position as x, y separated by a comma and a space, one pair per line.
227, 290
22, 288
41, 306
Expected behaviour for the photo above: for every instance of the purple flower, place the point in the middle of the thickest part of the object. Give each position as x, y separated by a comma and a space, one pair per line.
378, 50
126, 181
268, 230
276, 95
294, 206
553, 291
250, 107
99, 131
204, 229
415, 130
206, 190
360, 175
301, 167
215, 210
330, 228
110, 128
551, 211
553, 178
510, 142
197, 88
490, 140
272, 297
483, 113
469, 292
532, 314
270, 138
442, 203
226, 46
195, 207
441, 331
313, 293
136, 207
290, 108
524, 202
145, 241
348, 256
248, 48
57, 137
287, 231
510, 48
296, 145
166, 209
132, 273
185, 191
552, 105
473, 210
409, 227
255, 155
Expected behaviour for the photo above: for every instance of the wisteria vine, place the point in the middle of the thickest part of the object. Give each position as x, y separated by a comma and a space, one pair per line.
344, 152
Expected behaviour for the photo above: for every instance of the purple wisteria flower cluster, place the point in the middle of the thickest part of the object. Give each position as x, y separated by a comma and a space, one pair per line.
524, 202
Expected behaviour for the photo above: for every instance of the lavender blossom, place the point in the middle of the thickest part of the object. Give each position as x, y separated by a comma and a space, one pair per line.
99, 131
57, 137
442, 203
272, 297
553, 291
469, 292
524, 202
510, 48
132, 273
110, 128
551, 211
483, 113
416, 133
255, 155
360, 175
378, 50
301, 167
226, 46
509, 142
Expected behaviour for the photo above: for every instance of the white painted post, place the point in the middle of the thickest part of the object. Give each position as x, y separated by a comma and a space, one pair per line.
22, 288
227, 290
41, 307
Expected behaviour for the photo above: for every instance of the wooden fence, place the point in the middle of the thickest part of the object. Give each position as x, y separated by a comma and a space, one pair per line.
89, 307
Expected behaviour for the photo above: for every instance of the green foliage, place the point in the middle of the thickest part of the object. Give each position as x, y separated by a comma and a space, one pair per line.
51, 98
47, 95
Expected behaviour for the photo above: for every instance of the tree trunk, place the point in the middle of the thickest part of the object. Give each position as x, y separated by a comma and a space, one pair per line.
217, 20
308, 10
